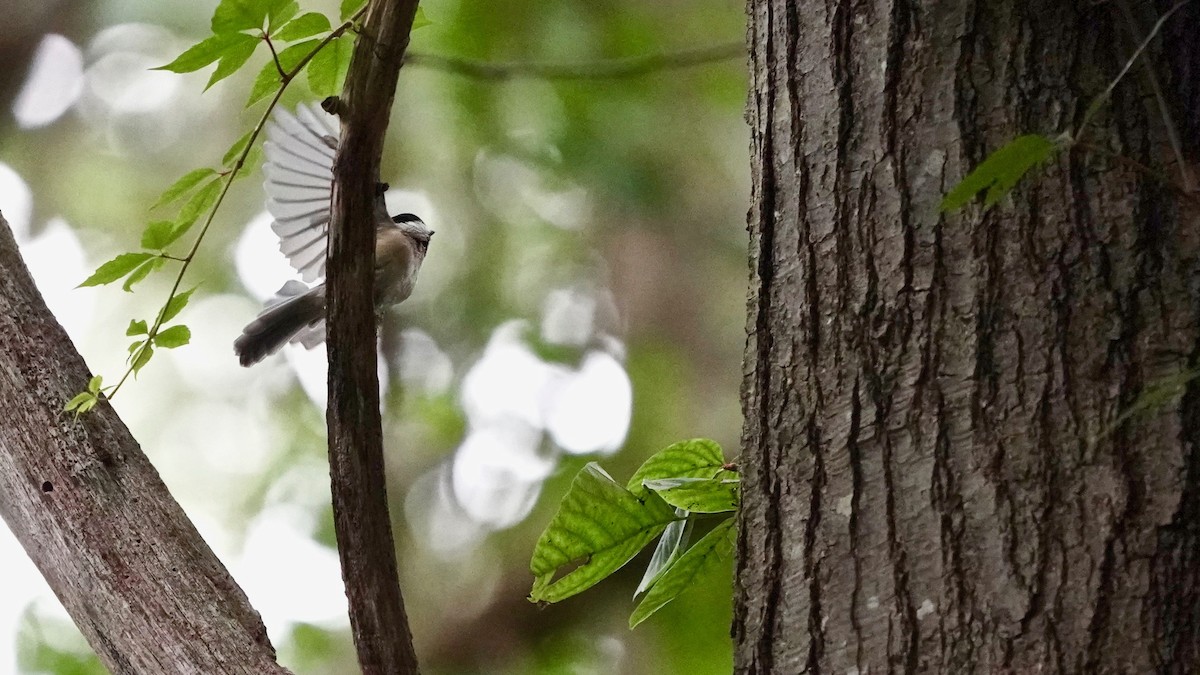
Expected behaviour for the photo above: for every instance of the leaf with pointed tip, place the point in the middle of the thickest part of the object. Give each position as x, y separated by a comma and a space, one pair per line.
175, 336
281, 16
141, 272
269, 80
696, 563
199, 203
201, 54
116, 268
182, 186
80, 399
159, 235
175, 305
305, 25
696, 458
599, 527
234, 56
141, 357
718, 494
671, 545
232, 16
94, 384
1001, 171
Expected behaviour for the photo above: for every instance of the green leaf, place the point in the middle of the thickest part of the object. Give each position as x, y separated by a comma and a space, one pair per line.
141, 357
1000, 172
420, 20
280, 16
80, 399
175, 305
696, 458
698, 562
349, 7
116, 268
182, 186
94, 384
200, 203
232, 16
269, 80
87, 406
305, 25
175, 336
201, 54
670, 546
137, 328
159, 235
599, 527
327, 70
699, 495
141, 272
236, 149
234, 57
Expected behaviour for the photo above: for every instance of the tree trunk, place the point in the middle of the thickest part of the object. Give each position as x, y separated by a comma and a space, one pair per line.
962, 453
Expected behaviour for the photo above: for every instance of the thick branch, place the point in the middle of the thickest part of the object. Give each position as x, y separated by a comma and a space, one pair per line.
365, 544
93, 514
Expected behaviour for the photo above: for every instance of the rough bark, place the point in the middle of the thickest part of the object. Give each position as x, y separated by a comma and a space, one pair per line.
360, 509
96, 519
941, 474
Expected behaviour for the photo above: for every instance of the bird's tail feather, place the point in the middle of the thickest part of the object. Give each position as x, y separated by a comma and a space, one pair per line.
300, 309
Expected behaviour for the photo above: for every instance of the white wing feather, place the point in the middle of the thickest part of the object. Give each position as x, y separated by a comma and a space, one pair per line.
299, 183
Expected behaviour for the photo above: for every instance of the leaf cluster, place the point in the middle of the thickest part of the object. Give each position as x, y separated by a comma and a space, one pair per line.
601, 525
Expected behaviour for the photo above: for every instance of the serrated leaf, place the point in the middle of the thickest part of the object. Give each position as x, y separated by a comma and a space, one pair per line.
182, 186
200, 54
175, 336
671, 545
234, 57
1001, 171
158, 235
699, 495
281, 16
199, 203
94, 384
141, 357
116, 268
269, 80
349, 7
175, 305
695, 458
138, 327
79, 400
141, 272
236, 149
599, 526
327, 70
305, 25
696, 563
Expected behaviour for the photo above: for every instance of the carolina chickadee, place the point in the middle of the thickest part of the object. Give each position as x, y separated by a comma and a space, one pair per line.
299, 184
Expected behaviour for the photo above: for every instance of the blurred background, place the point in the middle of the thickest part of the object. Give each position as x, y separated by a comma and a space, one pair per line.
584, 299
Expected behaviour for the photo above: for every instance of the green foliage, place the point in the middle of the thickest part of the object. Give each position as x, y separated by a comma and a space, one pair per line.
600, 526
175, 305
303, 26
116, 269
700, 561
86, 400
269, 79
175, 336
233, 57
1000, 172
327, 69
184, 185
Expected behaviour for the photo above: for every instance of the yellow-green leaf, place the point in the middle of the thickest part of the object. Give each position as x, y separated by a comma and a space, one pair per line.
201, 54
182, 186
327, 70
234, 56
175, 336
696, 458
1000, 172
699, 561
116, 268
305, 25
141, 272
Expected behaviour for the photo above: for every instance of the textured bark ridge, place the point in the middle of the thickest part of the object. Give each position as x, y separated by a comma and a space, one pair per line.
93, 514
940, 474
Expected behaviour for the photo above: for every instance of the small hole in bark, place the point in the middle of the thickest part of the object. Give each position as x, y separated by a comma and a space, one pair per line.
47, 487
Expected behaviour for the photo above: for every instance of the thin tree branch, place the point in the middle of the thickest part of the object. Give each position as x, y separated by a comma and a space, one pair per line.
96, 519
360, 507
602, 69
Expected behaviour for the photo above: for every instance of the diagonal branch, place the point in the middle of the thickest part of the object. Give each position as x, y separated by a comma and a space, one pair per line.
601, 69
360, 511
93, 514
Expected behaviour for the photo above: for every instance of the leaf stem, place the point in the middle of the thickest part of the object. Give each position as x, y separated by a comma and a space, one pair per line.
286, 79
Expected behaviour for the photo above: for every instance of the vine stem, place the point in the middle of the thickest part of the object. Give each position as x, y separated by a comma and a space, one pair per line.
1104, 95
186, 261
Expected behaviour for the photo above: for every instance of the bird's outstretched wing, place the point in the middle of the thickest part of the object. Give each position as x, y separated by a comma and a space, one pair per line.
299, 182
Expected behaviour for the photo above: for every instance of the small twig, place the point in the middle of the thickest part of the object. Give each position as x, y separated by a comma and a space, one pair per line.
603, 69
1185, 175
1101, 99
274, 55
229, 178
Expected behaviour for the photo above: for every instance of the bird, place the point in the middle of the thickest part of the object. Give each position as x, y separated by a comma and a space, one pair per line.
298, 171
